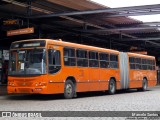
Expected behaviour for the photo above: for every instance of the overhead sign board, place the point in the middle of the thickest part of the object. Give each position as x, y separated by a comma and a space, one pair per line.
20, 31
12, 22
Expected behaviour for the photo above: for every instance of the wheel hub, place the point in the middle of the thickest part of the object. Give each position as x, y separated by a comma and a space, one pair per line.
112, 87
69, 89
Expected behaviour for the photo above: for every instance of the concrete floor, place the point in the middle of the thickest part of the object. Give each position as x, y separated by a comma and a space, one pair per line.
94, 101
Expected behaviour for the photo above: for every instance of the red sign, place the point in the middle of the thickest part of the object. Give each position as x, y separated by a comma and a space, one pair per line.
20, 31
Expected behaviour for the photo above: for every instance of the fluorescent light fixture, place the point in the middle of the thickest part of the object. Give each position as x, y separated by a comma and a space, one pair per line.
129, 3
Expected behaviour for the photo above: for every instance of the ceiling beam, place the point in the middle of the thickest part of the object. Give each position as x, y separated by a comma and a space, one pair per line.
149, 12
147, 40
142, 39
124, 29
150, 23
7, 13
106, 10
65, 17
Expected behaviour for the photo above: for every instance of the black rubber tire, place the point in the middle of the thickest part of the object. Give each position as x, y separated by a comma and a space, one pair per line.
144, 85
112, 87
69, 89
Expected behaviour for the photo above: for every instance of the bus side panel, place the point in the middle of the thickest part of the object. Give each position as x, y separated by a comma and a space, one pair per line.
55, 88
94, 79
78, 73
152, 78
104, 79
82, 76
136, 77
137, 74
105, 76
152, 83
116, 74
82, 87
55, 83
94, 85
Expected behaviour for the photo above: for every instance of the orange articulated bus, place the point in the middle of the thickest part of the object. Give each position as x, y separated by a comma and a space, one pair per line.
43, 66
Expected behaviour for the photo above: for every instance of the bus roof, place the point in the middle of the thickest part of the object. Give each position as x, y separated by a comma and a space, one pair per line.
87, 47
140, 55
73, 45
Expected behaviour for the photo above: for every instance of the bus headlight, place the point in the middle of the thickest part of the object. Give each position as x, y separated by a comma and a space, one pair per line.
10, 83
36, 84
42, 83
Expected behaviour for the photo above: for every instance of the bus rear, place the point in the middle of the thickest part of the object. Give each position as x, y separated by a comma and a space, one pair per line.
27, 67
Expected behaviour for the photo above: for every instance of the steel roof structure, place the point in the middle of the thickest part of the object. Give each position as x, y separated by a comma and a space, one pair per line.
83, 22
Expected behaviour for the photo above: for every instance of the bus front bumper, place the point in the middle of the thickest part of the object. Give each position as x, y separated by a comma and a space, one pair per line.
27, 90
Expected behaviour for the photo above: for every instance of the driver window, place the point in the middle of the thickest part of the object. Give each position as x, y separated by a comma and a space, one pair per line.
54, 61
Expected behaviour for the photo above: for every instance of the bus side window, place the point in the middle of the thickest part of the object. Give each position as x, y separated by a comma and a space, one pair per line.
153, 65
93, 59
54, 62
149, 65
82, 58
132, 63
137, 63
69, 57
104, 60
113, 61
144, 64
13, 63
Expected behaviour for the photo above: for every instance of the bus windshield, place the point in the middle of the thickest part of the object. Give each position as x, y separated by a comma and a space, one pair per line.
27, 62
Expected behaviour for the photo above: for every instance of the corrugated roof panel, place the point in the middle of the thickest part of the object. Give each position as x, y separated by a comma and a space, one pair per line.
141, 31
77, 5
88, 5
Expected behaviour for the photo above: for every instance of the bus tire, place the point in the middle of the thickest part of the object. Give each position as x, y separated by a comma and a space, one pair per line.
112, 87
69, 89
144, 84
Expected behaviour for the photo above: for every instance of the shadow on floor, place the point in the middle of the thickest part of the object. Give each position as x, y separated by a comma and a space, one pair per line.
3, 90
40, 97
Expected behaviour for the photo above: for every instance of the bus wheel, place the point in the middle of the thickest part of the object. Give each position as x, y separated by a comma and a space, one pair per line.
112, 87
69, 89
144, 85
